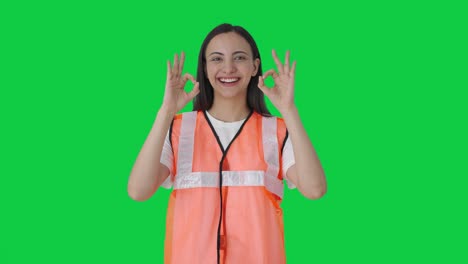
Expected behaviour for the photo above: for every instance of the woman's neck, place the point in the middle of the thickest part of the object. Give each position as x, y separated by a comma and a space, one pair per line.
229, 110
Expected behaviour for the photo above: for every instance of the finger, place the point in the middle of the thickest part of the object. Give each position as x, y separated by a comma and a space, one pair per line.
261, 85
278, 63
286, 63
187, 77
169, 72
190, 77
181, 63
175, 68
271, 73
293, 70
194, 91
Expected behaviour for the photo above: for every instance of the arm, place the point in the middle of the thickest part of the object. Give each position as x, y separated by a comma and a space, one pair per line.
307, 173
148, 173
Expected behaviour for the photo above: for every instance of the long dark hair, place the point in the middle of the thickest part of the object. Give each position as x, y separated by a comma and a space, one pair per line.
255, 98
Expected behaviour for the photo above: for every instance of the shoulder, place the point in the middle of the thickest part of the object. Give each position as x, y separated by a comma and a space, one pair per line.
274, 122
178, 118
180, 115
176, 124
281, 125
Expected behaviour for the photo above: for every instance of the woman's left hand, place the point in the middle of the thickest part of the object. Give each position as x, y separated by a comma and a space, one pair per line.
281, 94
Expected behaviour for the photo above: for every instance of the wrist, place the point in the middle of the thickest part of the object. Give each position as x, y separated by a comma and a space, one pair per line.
166, 112
289, 111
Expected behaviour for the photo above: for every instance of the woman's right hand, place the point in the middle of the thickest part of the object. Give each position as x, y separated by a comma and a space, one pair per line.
175, 97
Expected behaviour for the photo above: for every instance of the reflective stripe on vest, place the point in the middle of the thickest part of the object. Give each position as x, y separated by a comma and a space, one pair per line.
187, 179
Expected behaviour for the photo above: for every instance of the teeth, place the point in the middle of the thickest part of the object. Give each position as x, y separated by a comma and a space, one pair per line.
229, 80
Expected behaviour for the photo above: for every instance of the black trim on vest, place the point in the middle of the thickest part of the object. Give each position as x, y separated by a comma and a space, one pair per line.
218, 243
284, 142
170, 135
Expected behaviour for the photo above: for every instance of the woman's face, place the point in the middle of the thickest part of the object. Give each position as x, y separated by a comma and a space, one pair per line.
230, 65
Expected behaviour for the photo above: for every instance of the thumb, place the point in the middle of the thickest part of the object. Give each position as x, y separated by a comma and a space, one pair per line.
262, 86
194, 91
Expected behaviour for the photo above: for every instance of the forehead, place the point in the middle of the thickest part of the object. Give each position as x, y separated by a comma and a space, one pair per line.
228, 43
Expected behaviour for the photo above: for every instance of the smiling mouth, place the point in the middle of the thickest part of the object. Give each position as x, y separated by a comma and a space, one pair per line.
228, 80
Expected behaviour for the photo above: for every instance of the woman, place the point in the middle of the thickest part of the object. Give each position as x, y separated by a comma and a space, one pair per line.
227, 159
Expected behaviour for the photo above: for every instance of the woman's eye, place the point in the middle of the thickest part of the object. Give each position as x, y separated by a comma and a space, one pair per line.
215, 59
240, 58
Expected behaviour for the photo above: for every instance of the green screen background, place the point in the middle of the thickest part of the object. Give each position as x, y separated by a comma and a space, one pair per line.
380, 87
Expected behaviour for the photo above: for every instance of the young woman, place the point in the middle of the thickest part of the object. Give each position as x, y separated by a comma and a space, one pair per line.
227, 159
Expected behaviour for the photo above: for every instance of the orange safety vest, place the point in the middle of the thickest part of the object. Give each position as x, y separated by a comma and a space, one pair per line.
242, 221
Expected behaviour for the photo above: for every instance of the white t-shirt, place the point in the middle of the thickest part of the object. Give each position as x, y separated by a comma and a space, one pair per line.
226, 132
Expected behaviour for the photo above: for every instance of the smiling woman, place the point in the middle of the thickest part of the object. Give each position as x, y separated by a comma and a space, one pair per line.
230, 66
227, 159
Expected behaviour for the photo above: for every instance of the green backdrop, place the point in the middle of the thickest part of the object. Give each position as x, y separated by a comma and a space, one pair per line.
380, 86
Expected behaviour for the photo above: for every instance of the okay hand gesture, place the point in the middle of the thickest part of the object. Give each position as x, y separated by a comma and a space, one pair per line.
175, 97
281, 94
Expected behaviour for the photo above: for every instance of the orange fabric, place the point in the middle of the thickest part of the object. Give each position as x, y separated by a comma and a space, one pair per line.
252, 227
207, 146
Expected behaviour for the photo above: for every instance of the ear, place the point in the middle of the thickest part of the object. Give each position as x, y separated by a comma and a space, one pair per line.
256, 66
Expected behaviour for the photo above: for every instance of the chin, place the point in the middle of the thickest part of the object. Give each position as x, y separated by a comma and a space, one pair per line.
232, 94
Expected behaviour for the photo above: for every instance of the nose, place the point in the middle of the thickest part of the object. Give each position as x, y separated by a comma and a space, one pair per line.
229, 66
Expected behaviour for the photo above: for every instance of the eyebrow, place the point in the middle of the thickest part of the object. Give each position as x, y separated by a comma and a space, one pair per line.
235, 52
